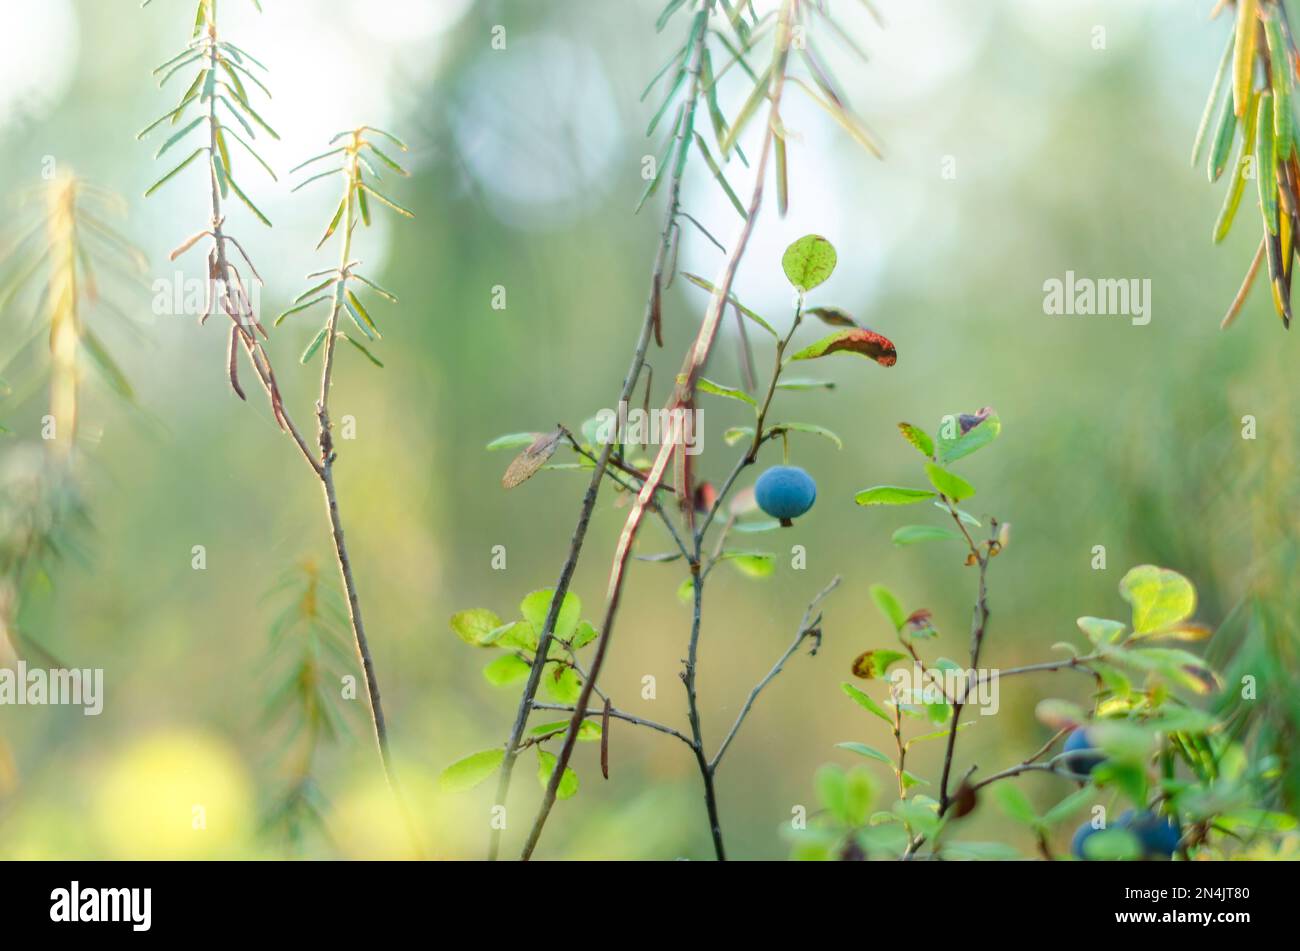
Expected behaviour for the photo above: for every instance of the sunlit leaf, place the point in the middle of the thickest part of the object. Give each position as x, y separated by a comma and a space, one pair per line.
1160, 598
1213, 98
248, 202
176, 137
1101, 631
536, 605
753, 564
505, 670
562, 683
106, 364
388, 201
299, 307
469, 772
364, 351
474, 625
314, 345
172, 174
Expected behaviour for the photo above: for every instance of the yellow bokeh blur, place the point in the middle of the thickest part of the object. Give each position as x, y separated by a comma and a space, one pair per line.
175, 794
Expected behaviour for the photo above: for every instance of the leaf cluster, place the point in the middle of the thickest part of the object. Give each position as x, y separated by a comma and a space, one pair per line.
518, 641
354, 165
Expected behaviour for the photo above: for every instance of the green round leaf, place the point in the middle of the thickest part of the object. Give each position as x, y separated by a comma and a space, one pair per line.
475, 625
809, 261
950, 484
546, 766
505, 670
1160, 597
753, 564
534, 608
562, 683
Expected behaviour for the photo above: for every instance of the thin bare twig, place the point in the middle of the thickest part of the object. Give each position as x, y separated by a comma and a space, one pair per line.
617, 714
979, 625
808, 627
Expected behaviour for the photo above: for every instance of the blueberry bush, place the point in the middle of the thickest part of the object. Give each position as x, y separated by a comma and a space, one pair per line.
1150, 739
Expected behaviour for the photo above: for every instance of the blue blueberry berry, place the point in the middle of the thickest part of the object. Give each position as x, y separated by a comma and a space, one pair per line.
785, 492
1158, 835
1082, 755
1081, 835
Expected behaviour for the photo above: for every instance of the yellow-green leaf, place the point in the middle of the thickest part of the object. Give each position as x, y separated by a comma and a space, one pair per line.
470, 771
875, 663
546, 763
474, 625
1243, 55
1160, 598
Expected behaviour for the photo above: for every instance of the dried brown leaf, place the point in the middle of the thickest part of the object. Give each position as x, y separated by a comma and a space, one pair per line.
525, 465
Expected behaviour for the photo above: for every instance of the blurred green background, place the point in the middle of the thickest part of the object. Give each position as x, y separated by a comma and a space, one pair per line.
526, 166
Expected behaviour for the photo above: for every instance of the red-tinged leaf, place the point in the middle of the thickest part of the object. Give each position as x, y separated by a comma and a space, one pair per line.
919, 439
706, 496
835, 316
525, 465
969, 421
873, 664
964, 800
868, 343
920, 623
